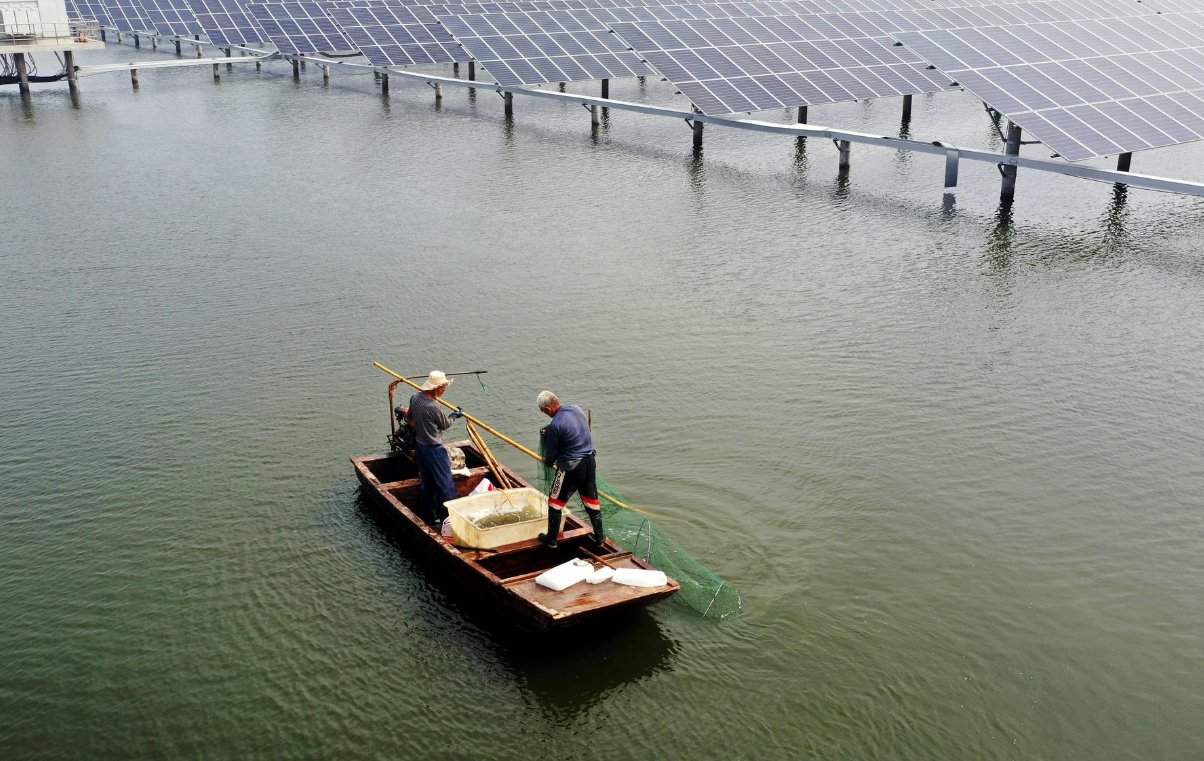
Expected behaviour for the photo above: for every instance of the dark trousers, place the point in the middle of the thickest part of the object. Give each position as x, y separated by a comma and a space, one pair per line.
434, 467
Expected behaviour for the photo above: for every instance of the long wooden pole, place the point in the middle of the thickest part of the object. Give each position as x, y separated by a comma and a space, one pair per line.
502, 436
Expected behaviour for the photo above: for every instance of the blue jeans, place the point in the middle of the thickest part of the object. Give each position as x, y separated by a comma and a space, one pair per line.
434, 467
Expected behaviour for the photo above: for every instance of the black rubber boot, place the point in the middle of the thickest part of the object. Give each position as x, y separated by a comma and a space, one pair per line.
554, 516
595, 519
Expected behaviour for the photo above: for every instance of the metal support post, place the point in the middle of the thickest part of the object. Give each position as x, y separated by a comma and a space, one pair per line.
1007, 190
606, 88
22, 73
259, 66
846, 150
325, 75
802, 114
907, 107
72, 74
952, 159
134, 78
456, 70
217, 73
472, 71
137, 41
229, 66
102, 35
177, 47
296, 67
439, 91
509, 98
118, 36
1124, 161
384, 84
595, 116
697, 127
154, 43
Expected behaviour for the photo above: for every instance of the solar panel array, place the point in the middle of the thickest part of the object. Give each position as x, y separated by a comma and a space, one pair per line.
172, 17
543, 46
1085, 88
398, 35
128, 16
299, 27
226, 23
752, 64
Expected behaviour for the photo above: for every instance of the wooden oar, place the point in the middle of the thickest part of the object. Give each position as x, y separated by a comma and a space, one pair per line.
504, 437
595, 557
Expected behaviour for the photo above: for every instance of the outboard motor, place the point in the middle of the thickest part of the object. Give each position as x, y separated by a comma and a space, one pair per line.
403, 440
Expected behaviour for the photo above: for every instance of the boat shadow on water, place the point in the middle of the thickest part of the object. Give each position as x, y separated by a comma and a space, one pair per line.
563, 671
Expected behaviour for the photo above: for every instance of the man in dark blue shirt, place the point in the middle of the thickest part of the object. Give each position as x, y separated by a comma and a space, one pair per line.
569, 447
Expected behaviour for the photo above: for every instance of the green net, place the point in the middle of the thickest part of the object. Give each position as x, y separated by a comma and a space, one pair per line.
702, 590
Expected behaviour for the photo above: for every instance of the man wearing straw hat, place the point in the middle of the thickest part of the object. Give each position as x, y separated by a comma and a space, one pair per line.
569, 446
434, 466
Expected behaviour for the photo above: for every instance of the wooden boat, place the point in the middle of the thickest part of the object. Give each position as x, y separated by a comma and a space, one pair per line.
506, 576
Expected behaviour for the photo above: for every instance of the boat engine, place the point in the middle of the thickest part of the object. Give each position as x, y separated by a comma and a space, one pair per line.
402, 440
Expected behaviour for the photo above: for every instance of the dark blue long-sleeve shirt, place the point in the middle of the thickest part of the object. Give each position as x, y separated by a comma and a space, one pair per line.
568, 436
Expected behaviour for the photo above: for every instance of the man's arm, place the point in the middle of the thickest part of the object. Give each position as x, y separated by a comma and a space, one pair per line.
551, 445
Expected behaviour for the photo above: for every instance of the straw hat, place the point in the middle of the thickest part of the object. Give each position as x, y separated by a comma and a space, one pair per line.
436, 380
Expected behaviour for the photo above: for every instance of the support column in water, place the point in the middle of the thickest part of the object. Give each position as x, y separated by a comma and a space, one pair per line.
22, 73
72, 74
509, 104
802, 115
907, 107
1124, 161
1007, 190
697, 126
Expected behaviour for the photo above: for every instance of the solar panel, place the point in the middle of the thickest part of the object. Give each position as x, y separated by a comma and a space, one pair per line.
128, 16
751, 64
543, 46
1085, 88
226, 23
299, 27
93, 9
398, 35
172, 17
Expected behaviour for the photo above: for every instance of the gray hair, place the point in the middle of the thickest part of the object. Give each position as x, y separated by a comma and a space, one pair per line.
547, 400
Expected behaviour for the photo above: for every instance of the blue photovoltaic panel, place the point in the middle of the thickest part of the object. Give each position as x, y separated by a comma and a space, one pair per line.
398, 35
543, 46
172, 17
299, 27
1085, 88
92, 9
728, 65
226, 23
128, 16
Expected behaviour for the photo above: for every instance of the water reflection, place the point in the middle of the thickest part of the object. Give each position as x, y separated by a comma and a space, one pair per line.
567, 673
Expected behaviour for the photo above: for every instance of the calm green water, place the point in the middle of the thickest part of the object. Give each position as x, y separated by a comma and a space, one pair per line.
950, 455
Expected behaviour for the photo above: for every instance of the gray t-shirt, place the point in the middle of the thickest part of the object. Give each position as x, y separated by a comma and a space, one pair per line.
429, 419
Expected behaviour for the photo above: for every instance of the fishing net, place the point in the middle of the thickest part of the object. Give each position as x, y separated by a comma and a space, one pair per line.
702, 590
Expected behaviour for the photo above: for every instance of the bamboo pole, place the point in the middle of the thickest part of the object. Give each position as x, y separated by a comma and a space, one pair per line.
503, 481
503, 437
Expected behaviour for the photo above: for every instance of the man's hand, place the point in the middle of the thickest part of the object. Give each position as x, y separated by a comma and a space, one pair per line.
459, 413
